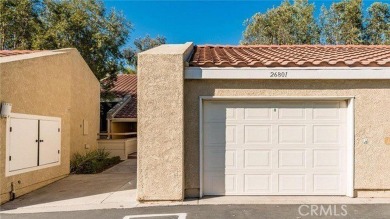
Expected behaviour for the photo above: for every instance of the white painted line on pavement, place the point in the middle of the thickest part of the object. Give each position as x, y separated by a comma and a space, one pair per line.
179, 215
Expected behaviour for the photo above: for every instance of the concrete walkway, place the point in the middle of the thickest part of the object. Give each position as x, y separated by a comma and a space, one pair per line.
113, 188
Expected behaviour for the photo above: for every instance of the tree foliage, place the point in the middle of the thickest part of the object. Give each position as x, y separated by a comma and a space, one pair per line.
342, 23
19, 23
378, 24
97, 34
140, 45
286, 24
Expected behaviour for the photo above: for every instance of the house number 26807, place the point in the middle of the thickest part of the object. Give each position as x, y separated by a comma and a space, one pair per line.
279, 74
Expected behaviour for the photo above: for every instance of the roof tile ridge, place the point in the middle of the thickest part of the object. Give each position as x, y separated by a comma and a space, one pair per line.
114, 110
294, 46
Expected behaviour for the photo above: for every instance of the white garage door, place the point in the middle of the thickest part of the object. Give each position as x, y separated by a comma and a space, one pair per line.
274, 148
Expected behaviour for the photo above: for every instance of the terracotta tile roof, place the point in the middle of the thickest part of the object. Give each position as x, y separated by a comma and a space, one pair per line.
125, 87
126, 84
290, 56
128, 110
4, 53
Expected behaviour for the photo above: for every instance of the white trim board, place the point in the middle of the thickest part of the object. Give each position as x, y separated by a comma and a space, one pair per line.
350, 130
29, 116
350, 147
328, 73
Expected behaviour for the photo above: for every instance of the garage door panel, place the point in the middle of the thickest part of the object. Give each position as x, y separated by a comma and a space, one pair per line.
231, 134
257, 183
329, 110
231, 114
292, 159
257, 134
220, 134
292, 183
257, 159
215, 184
326, 134
214, 158
220, 159
257, 113
216, 134
326, 183
276, 148
221, 184
231, 183
292, 134
292, 113
220, 112
231, 159
326, 158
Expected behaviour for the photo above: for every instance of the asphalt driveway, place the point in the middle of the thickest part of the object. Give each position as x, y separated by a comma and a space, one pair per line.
372, 211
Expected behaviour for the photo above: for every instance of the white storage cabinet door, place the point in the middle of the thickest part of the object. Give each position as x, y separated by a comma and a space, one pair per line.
23, 144
49, 141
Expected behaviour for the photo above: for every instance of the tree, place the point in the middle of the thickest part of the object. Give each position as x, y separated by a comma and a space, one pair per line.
378, 24
19, 23
142, 44
98, 35
286, 24
129, 70
86, 25
342, 23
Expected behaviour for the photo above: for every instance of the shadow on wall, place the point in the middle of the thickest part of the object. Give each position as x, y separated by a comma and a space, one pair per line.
217, 158
213, 87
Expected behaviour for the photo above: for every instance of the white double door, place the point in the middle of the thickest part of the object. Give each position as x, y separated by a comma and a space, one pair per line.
33, 142
274, 148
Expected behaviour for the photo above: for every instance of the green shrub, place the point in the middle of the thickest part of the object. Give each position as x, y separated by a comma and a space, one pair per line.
92, 162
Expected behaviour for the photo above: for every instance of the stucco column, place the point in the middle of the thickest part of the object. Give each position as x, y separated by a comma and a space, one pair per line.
161, 122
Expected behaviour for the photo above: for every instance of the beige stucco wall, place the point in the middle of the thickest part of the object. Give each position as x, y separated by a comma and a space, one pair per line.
160, 123
372, 121
85, 105
59, 85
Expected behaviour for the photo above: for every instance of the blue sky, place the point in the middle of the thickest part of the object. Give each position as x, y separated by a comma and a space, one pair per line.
201, 22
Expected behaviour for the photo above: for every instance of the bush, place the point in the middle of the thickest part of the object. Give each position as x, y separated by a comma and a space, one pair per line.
92, 162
